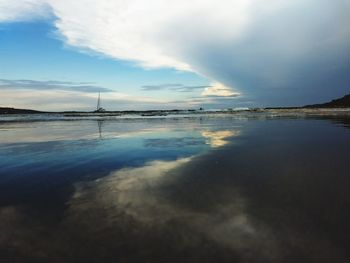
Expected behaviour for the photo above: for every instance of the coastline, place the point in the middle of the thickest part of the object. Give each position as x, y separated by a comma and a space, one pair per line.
109, 115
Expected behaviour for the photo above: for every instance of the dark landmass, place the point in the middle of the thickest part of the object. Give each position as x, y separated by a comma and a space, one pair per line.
343, 102
6, 110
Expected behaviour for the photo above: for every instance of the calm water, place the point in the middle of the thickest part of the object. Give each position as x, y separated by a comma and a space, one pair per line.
203, 189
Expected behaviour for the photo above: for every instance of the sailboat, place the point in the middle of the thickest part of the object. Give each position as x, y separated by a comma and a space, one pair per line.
99, 108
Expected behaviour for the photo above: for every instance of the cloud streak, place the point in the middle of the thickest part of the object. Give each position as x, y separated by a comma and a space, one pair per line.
51, 85
172, 87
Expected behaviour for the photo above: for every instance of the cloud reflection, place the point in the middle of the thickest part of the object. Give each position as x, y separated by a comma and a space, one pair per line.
141, 194
219, 138
173, 142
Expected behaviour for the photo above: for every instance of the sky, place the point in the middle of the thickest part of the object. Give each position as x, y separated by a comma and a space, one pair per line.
164, 54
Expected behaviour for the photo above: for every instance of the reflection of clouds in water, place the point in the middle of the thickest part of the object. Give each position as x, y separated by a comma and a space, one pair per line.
41, 131
22, 132
131, 208
131, 188
140, 133
139, 193
218, 138
213, 138
150, 196
173, 142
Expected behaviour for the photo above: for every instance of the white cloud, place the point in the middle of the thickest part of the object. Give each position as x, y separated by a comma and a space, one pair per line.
219, 90
142, 31
19, 10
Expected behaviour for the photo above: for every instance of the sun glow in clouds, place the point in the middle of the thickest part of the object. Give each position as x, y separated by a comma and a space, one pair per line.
219, 90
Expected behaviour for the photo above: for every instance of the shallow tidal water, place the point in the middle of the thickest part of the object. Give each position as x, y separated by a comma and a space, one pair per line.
199, 189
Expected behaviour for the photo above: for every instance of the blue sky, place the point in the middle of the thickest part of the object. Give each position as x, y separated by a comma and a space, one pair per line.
33, 51
56, 55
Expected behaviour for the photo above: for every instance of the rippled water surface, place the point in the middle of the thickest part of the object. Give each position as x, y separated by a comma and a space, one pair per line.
200, 189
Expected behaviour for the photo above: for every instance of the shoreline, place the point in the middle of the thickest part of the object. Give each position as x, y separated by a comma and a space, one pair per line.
251, 113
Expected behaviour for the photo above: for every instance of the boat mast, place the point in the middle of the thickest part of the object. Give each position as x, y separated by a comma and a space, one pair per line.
98, 101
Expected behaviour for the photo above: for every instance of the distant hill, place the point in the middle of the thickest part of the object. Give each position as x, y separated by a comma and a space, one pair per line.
343, 102
5, 110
